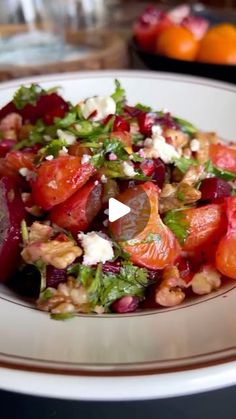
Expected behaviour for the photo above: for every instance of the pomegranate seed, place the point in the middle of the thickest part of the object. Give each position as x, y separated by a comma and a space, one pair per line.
214, 188
185, 269
148, 167
120, 124
125, 304
146, 122
132, 111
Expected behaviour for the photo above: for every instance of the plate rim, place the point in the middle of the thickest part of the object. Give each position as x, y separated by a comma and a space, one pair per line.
225, 366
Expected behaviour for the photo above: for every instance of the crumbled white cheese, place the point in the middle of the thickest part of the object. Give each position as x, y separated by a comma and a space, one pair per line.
194, 145
156, 147
52, 184
66, 136
103, 179
24, 171
96, 248
96, 182
63, 151
101, 106
156, 129
85, 158
128, 169
50, 157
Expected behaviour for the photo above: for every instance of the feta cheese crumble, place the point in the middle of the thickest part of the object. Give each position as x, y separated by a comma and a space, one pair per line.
101, 106
194, 145
128, 169
66, 136
96, 248
49, 158
85, 158
103, 179
156, 129
156, 147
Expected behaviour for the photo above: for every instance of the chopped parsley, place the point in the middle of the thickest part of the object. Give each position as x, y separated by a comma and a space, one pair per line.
27, 95
183, 164
119, 97
186, 126
52, 149
143, 108
177, 223
217, 171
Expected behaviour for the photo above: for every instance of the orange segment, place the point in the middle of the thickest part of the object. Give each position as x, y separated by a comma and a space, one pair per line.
177, 42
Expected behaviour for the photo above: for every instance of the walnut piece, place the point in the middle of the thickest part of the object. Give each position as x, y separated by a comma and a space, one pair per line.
205, 281
170, 291
56, 253
205, 139
39, 232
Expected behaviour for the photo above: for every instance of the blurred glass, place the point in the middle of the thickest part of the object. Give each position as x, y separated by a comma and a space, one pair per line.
31, 31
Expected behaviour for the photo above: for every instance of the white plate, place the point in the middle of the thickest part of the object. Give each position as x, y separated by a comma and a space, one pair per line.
154, 354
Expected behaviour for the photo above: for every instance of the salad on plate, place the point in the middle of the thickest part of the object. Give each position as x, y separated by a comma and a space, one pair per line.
61, 163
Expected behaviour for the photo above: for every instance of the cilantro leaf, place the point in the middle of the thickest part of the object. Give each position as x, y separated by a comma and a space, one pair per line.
183, 164
217, 171
115, 146
105, 288
143, 108
68, 120
27, 95
177, 223
53, 148
35, 136
186, 126
119, 97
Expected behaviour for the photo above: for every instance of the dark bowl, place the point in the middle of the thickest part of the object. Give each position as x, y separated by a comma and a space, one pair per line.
144, 59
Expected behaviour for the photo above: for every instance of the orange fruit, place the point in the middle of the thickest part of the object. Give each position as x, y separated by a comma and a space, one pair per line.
219, 45
177, 42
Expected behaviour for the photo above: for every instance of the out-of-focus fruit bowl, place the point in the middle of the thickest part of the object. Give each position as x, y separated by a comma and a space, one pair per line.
198, 41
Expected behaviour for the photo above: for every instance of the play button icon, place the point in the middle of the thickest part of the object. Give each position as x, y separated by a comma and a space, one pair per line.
117, 210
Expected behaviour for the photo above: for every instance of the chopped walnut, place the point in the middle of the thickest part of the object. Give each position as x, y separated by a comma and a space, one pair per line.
170, 291
194, 174
178, 138
187, 193
10, 125
205, 139
205, 281
40, 232
56, 253
69, 297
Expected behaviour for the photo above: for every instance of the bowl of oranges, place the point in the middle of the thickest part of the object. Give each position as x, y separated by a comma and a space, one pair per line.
187, 40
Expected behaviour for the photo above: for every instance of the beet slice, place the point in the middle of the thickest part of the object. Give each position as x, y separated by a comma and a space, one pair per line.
11, 215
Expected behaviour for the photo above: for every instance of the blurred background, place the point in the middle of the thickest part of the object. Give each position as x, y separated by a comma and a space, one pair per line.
43, 36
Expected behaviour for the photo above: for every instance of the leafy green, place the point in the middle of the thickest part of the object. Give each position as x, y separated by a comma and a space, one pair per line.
183, 164
115, 146
143, 108
67, 121
53, 148
27, 95
217, 171
136, 158
105, 288
119, 97
186, 126
176, 221
36, 136
46, 294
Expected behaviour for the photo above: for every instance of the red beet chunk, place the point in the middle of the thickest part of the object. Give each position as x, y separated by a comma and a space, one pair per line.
120, 124
214, 188
9, 108
5, 146
159, 173
148, 167
12, 213
146, 122
55, 276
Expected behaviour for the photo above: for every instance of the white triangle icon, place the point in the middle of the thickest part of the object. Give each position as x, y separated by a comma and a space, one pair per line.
116, 209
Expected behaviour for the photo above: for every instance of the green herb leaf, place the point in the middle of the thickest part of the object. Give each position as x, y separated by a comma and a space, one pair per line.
36, 136
67, 121
119, 97
52, 149
115, 146
27, 95
217, 171
186, 126
46, 294
184, 164
176, 221
136, 158
143, 108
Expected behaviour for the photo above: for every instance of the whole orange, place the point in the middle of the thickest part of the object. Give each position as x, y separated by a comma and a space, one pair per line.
219, 45
177, 42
